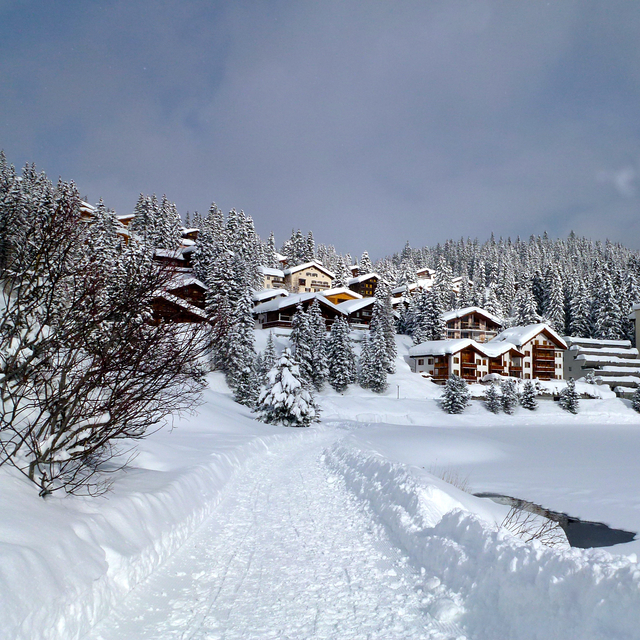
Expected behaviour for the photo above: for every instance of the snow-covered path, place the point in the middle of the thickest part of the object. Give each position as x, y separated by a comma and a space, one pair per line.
289, 553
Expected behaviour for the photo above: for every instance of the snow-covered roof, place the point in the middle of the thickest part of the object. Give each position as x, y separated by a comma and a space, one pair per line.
190, 230
184, 304
460, 313
292, 300
280, 257
521, 335
630, 352
174, 254
604, 359
338, 290
184, 280
448, 347
441, 347
310, 265
268, 271
267, 294
589, 342
362, 278
351, 306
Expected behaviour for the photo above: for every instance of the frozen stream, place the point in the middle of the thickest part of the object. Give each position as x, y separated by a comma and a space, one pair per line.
289, 553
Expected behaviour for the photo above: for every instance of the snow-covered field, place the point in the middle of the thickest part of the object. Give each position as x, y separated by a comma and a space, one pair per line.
228, 528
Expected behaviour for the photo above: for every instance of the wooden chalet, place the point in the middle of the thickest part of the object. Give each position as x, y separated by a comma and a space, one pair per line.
358, 311
279, 312
340, 294
309, 277
472, 322
365, 284
272, 278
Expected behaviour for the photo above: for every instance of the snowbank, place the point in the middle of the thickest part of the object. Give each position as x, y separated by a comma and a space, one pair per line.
485, 580
65, 561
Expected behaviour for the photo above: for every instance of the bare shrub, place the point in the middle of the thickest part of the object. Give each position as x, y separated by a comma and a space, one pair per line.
529, 526
452, 476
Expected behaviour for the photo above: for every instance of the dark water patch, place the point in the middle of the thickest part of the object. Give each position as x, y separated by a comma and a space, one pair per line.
582, 534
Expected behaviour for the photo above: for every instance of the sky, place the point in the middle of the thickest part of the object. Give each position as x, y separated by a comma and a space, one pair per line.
369, 123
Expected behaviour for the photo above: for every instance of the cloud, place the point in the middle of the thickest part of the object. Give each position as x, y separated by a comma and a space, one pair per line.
370, 124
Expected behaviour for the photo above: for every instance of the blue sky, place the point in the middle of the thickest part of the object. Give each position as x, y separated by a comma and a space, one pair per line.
369, 123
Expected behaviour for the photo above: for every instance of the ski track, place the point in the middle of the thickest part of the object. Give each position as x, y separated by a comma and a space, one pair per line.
290, 554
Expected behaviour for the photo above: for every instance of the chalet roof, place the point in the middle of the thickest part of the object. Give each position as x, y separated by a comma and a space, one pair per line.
442, 347
461, 313
595, 342
180, 280
292, 300
268, 271
338, 291
363, 278
351, 306
308, 265
184, 304
519, 336
267, 294
449, 347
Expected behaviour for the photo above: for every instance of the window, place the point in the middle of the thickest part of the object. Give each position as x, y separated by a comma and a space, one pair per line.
302, 282
456, 360
484, 362
527, 354
421, 361
456, 372
430, 361
527, 376
478, 361
527, 365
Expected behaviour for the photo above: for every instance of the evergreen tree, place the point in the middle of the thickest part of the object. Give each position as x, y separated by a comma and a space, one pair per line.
635, 400
377, 375
525, 305
428, 323
302, 344
580, 305
342, 274
241, 355
510, 398
365, 364
606, 310
286, 400
492, 399
569, 397
365, 265
456, 396
553, 299
340, 356
382, 322
528, 397
269, 358
318, 331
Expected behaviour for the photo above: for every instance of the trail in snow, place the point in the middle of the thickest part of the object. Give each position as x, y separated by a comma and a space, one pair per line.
289, 553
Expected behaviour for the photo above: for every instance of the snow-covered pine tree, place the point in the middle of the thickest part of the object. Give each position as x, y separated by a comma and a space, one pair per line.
167, 230
286, 400
302, 344
553, 299
606, 312
528, 397
377, 375
382, 321
491, 303
492, 399
635, 400
455, 396
342, 274
442, 285
318, 331
569, 399
270, 253
428, 322
365, 265
580, 305
525, 305
510, 399
340, 357
269, 358
240, 366
365, 364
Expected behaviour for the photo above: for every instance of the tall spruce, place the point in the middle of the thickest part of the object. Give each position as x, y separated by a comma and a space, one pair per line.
340, 356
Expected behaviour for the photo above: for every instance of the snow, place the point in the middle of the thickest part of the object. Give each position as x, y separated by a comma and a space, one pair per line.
461, 313
266, 294
268, 271
291, 301
596, 342
339, 290
521, 335
351, 306
363, 278
310, 265
224, 527
441, 347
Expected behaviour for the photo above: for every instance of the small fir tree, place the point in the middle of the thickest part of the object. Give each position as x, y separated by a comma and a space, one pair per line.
456, 396
340, 357
268, 359
509, 395
286, 400
528, 398
569, 397
492, 399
